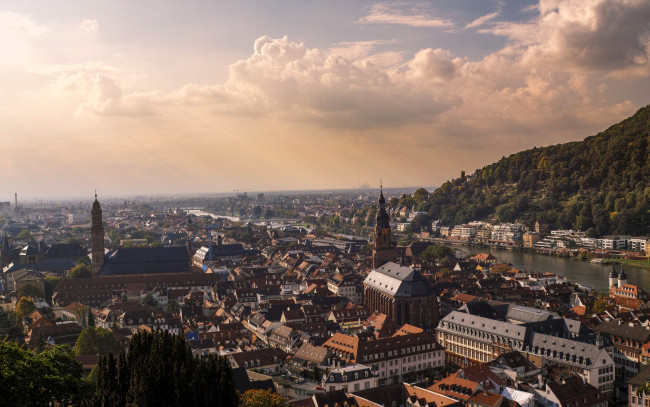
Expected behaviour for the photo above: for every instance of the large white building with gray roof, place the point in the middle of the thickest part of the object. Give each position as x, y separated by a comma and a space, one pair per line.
543, 337
591, 362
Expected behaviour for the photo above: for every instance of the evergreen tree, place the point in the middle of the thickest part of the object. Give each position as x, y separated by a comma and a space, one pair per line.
160, 370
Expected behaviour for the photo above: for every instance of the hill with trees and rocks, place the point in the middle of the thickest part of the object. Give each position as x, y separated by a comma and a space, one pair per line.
600, 185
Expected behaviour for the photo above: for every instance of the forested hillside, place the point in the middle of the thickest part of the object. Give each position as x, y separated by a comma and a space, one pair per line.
600, 185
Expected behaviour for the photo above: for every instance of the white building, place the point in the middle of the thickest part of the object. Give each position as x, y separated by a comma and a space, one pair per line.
613, 242
352, 377
507, 232
638, 244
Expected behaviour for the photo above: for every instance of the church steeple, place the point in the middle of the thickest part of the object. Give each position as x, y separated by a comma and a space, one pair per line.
384, 250
97, 237
383, 220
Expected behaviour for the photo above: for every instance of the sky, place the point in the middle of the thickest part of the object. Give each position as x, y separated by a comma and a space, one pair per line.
203, 96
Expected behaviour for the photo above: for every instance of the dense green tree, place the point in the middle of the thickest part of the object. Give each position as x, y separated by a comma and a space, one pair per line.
407, 201
421, 222
30, 290
50, 377
11, 327
81, 270
420, 195
160, 370
435, 252
597, 185
599, 307
97, 341
24, 307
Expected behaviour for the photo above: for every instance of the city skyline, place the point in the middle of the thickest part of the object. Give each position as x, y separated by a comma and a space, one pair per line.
164, 97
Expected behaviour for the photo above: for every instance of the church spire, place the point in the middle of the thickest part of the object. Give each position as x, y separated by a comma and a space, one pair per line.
97, 237
384, 250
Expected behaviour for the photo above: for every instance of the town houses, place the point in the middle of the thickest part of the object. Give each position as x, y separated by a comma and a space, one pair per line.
326, 318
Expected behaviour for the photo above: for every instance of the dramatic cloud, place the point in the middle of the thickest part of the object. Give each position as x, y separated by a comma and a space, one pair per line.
598, 35
399, 13
291, 114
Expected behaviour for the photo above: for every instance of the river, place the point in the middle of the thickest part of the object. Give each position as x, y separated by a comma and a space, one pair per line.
199, 212
581, 272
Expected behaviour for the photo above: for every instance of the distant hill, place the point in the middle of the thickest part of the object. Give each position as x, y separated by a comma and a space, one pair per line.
600, 185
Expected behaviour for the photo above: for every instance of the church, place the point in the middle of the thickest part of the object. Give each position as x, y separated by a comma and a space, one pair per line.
129, 270
400, 292
133, 260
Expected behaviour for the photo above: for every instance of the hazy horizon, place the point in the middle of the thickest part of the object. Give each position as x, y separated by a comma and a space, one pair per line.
164, 97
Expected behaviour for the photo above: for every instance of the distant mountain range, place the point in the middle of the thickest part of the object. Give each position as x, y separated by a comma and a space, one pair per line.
600, 185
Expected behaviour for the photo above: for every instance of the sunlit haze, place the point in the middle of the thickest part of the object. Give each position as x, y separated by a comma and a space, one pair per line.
165, 97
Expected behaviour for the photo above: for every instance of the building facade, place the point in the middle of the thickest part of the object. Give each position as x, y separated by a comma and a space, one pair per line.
403, 294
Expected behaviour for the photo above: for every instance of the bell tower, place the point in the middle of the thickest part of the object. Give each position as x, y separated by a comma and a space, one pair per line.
384, 250
97, 237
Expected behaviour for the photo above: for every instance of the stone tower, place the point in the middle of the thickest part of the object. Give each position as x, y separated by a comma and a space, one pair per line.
384, 250
613, 278
622, 278
97, 237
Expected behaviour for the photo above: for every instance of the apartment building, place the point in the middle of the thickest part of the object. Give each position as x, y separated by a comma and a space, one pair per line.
394, 356
480, 332
352, 377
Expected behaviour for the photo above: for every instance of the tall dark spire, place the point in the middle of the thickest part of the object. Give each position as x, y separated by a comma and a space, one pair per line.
97, 237
384, 250
383, 220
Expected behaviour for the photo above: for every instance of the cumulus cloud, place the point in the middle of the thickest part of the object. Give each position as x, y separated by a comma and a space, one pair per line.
105, 98
362, 98
433, 65
402, 14
284, 76
597, 35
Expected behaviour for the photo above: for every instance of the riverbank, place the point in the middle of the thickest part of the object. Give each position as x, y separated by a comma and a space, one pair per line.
636, 263
588, 274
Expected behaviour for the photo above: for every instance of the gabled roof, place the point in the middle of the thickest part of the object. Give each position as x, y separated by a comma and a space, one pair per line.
398, 281
624, 330
266, 356
575, 392
455, 387
147, 260
428, 397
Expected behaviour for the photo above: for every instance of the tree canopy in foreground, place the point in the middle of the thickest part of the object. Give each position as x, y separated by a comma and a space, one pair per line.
160, 370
